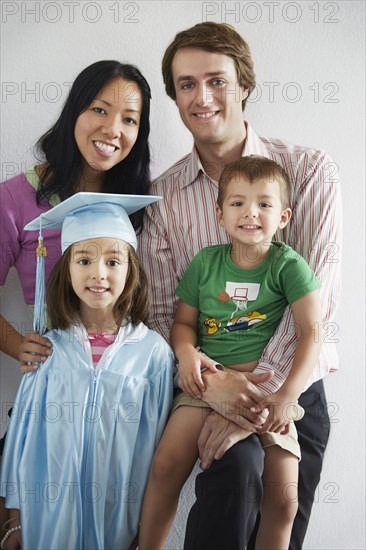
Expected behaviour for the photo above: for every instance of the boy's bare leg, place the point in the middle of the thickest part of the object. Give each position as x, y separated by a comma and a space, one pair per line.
279, 503
173, 462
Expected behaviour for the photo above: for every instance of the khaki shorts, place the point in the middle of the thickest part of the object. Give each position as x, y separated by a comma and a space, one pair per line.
288, 442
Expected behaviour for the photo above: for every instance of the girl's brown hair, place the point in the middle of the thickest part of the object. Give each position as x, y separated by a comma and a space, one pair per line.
63, 303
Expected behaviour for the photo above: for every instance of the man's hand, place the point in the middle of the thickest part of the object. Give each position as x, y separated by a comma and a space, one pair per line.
217, 436
233, 394
35, 349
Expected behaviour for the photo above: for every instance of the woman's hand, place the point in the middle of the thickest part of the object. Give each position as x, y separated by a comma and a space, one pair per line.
14, 541
35, 349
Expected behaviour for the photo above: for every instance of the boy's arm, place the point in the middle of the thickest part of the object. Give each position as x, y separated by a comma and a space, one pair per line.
307, 314
308, 317
183, 339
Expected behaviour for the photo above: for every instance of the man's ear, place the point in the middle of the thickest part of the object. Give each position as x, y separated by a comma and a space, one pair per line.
219, 215
244, 92
285, 218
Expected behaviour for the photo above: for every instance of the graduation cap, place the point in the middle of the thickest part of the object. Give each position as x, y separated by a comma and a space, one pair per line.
82, 217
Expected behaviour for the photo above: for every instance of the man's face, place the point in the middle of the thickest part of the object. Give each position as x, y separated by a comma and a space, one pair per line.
208, 96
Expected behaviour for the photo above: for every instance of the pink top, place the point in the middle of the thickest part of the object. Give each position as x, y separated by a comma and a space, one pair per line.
18, 206
99, 343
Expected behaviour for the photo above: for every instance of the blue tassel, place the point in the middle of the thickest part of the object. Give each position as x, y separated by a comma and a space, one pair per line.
39, 319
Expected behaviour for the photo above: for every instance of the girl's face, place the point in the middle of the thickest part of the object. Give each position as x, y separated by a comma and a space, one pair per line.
107, 130
98, 271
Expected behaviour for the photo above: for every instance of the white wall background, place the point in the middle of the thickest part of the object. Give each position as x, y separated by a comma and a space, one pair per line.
310, 67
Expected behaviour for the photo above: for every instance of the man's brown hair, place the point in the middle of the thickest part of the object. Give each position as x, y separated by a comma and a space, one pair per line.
253, 168
63, 303
212, 37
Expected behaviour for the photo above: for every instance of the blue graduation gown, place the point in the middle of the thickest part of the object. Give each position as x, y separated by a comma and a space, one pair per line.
81, 440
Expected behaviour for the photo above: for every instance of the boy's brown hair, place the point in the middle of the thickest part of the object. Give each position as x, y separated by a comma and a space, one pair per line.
212, 37
63, 303
253, 168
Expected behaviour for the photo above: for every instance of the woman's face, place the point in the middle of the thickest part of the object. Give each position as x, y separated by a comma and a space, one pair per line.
107, 130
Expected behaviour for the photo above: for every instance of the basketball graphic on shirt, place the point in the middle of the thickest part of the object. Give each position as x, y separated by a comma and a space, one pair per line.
242, 292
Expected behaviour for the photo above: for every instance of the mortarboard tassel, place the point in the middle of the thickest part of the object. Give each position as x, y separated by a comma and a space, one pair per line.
39, 319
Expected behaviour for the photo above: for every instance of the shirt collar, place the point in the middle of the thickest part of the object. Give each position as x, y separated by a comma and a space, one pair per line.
253, 146
193, 168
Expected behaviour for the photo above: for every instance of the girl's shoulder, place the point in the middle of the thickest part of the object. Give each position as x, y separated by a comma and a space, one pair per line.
158, 349
154, 338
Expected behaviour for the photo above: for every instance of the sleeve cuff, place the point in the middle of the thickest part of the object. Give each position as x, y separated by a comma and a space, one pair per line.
274, 383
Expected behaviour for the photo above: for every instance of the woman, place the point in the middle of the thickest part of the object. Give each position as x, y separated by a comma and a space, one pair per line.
99, 143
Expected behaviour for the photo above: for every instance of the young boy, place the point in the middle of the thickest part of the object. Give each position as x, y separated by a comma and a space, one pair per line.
232, 298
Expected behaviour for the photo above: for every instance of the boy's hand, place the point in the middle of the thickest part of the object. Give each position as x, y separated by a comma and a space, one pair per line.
283, 409
190, 367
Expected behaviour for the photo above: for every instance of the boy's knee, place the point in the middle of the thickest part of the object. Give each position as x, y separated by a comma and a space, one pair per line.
164, 465
281, 510
288, 510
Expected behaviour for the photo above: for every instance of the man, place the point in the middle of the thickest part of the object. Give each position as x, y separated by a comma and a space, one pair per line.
208, 72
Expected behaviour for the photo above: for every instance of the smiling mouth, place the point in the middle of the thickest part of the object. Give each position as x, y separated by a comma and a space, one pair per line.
97, 290
205, 116
105, 148
250, 227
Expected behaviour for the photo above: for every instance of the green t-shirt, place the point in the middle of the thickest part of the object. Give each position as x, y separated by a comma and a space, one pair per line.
240, 309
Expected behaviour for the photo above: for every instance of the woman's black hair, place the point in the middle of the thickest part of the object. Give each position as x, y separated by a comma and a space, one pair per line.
58, 147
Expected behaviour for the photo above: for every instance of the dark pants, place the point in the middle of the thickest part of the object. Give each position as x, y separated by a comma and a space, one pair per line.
225, 514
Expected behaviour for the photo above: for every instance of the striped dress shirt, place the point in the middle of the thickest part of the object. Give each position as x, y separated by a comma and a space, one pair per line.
184, 222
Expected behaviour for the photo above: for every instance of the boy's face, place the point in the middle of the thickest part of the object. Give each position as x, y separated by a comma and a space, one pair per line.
208, 96
252, 212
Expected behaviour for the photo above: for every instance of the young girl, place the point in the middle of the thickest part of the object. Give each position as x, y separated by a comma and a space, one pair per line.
232, 298
85, 425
